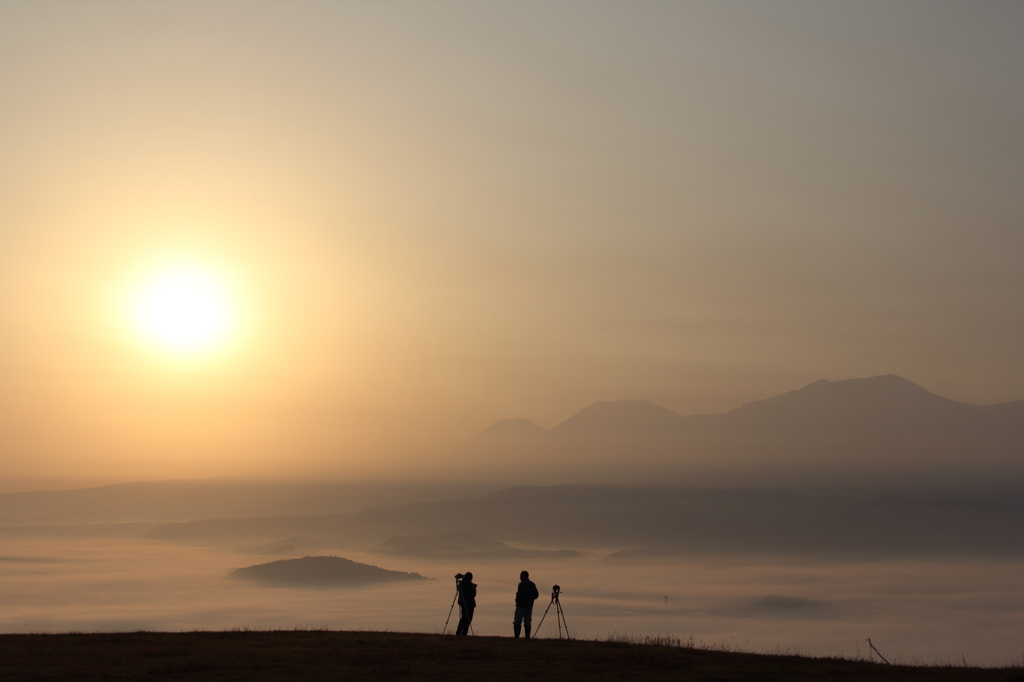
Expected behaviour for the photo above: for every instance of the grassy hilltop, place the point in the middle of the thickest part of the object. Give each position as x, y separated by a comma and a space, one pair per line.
319, 655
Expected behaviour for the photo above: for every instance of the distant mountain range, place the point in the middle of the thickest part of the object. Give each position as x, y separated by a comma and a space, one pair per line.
878, 432
888, 404
883, 421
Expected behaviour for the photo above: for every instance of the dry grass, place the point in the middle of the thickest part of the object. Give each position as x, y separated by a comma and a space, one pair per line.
324, 655
691, 642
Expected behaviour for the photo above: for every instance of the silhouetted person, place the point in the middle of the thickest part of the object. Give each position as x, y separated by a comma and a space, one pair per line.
467, 602
525, 596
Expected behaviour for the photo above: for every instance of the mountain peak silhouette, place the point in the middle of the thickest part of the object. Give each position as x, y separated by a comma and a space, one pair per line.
513, 427
888, 384
621, 416
883, 403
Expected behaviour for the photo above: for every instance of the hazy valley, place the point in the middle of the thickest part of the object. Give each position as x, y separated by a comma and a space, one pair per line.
817, 557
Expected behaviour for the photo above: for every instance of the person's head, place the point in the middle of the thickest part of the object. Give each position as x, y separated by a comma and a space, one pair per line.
524, 575
467, 576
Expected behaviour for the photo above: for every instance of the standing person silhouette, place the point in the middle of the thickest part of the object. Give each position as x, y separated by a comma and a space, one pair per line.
525, 596
467, 602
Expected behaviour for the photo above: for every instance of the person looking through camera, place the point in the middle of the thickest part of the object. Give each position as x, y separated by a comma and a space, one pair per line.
525, 596
467, 603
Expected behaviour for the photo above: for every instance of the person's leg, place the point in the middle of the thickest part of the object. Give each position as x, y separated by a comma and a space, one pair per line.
528, 620
469, 619
517, 621
463, 627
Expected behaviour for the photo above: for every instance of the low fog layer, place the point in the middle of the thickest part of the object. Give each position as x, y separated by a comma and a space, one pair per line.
924, 609
927, 571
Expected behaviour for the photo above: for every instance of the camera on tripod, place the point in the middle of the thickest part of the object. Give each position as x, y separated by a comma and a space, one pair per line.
556, 591
459, 579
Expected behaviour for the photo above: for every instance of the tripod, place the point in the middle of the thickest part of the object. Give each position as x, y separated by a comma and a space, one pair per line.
559, 614
458, 581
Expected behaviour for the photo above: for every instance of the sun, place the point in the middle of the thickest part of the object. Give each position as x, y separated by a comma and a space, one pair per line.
183, 310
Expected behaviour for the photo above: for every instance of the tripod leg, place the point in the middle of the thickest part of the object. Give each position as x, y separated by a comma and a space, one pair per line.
545, 615
450, 612
561, 613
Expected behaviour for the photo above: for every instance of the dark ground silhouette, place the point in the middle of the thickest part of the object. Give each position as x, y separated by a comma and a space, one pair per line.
295, 655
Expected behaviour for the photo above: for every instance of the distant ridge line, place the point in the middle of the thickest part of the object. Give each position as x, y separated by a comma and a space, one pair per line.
887, 403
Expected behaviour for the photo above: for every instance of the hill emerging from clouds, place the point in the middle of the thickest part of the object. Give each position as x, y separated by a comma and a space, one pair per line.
321, 571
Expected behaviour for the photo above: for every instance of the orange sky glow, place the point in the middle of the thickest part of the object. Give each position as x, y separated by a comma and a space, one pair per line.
265, 239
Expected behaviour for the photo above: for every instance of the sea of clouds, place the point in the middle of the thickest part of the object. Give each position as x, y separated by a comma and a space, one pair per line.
913, 610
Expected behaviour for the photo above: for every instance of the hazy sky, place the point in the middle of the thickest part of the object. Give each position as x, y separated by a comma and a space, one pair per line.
429, 216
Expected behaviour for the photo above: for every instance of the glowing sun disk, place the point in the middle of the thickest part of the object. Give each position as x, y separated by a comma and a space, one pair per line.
184, 310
